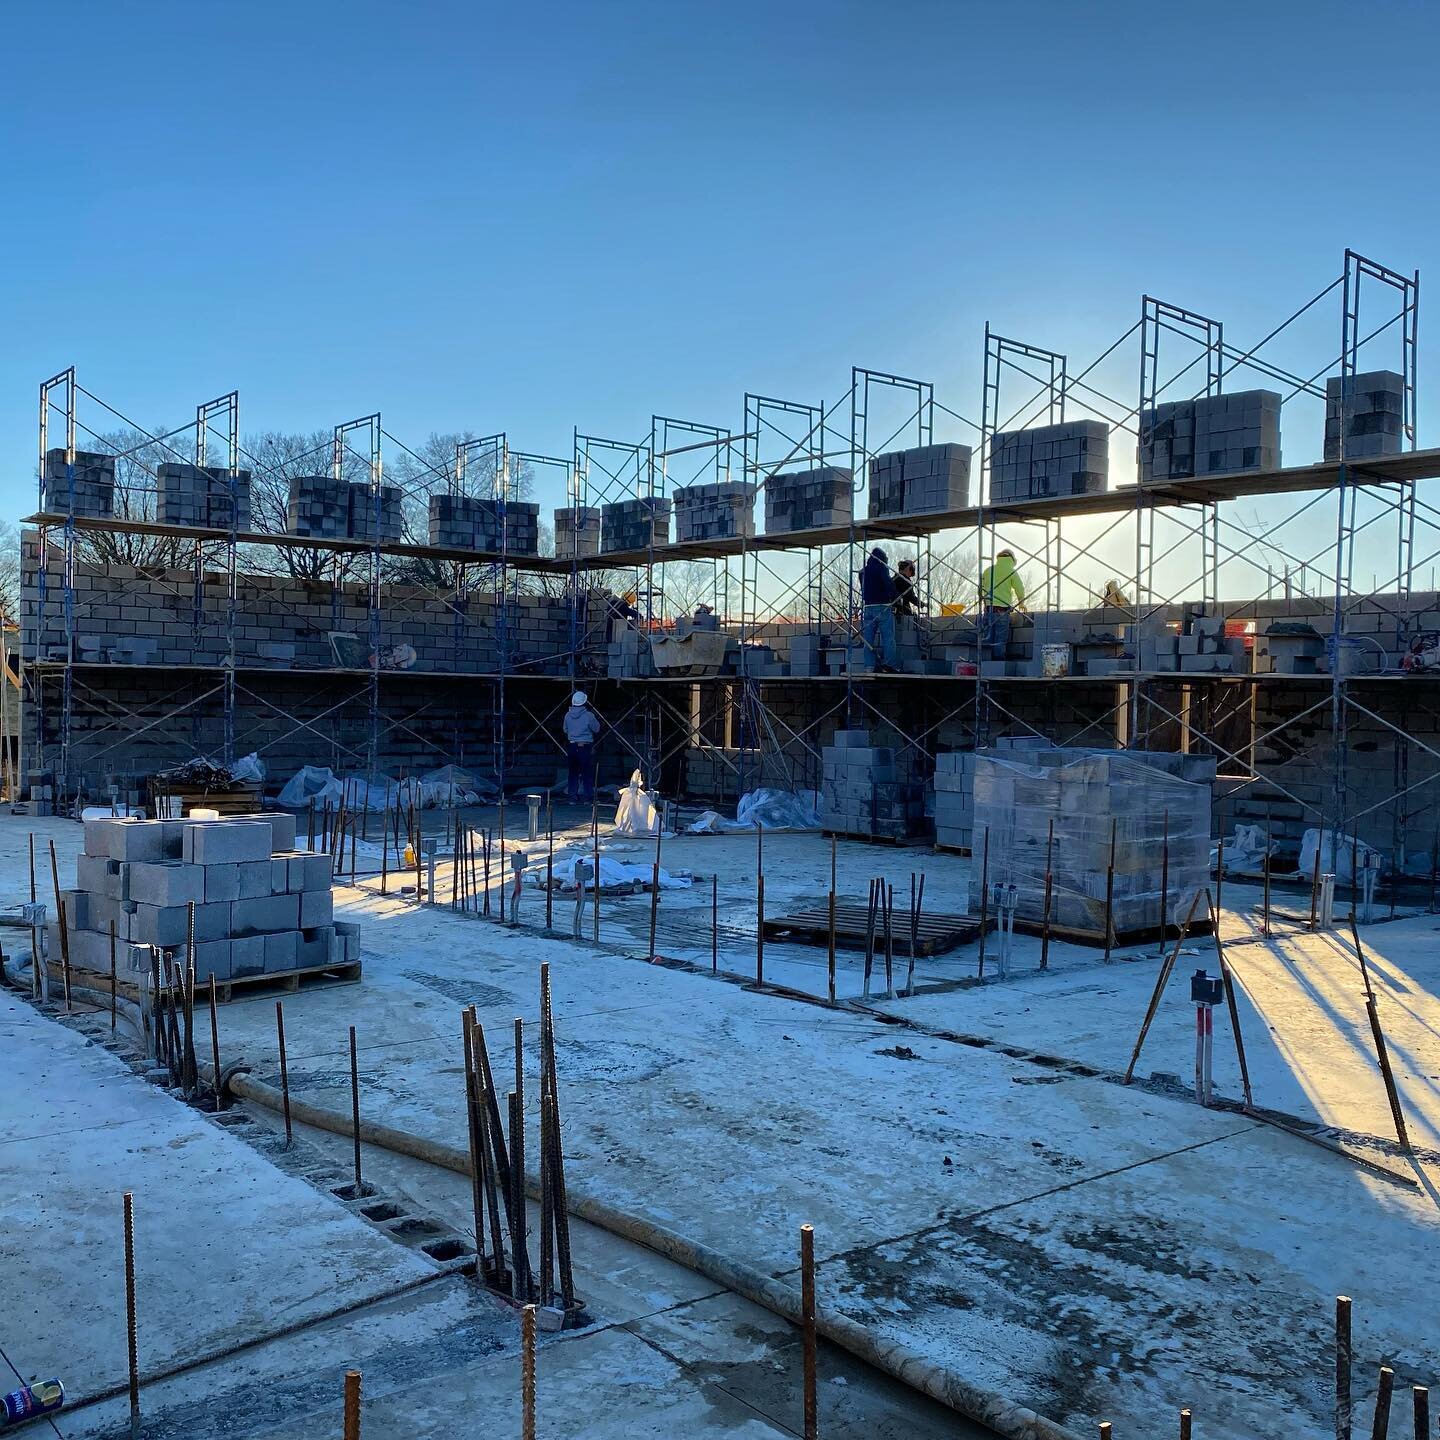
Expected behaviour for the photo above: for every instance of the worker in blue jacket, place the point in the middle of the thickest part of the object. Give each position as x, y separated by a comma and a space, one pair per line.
877, 599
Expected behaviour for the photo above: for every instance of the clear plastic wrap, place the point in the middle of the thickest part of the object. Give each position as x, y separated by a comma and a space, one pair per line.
1089, 797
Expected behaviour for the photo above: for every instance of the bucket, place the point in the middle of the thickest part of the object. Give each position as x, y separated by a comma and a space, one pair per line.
1054, 660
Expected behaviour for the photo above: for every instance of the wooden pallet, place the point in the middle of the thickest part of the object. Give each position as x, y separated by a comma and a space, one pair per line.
247, 987
936, 933
242, 799
898, 841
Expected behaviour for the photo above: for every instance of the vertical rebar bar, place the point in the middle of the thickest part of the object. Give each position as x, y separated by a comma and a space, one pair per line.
984, 897
714, 924
1344, 1408
595, 880
63, 922
477, 1155
1049, 893
113, 1002
215, 1041
352, 1405
527, 1373
807, 1328
1164, 882
1420, 1399
355, 1109
284, 1071
1265, 896
1110, 894
759, 929
1380, 1425
130, 1319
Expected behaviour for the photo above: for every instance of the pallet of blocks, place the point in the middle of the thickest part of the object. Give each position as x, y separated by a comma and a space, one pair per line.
263, 909
862, 792
1137, 807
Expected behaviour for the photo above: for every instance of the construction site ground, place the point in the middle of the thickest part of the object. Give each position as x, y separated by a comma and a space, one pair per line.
1091, 1250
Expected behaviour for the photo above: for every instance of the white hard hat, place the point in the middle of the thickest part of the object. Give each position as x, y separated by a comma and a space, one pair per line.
579, 698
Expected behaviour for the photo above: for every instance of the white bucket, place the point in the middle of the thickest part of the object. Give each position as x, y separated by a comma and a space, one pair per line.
1054, 660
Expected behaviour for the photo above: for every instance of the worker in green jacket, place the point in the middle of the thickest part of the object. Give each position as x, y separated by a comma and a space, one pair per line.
1001, 591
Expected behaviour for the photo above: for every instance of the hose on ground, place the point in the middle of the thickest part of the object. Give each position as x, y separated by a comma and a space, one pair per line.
976, 1402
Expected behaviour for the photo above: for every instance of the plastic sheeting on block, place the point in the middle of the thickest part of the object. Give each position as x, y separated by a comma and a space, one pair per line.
1090, 798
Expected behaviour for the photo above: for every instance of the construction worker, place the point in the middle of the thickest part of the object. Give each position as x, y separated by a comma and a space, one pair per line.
877, 599
907, 599
582, 725
1001, 591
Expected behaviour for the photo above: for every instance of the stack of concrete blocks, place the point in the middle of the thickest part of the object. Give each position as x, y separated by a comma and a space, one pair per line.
628, 655
202, 496
522, 527
1167, 446
1367, 416
1205, 649
458, 522
577, 532
818, 499
1153, 645
1072, 458
319, 508
954, 799
94, 486
862, 792
1153, 804
704, 621
721, 510
1288, 648
634, 524
807, 654
390, 529
1211, 435
1237, 432
925, 480
262, 907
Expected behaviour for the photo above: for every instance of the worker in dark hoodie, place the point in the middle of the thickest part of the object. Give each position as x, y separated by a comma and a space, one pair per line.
877, 599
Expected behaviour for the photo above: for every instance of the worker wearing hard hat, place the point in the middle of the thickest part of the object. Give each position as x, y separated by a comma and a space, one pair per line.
582, 725
1001, 591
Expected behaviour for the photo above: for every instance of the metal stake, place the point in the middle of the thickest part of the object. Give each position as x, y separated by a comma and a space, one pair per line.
284, 1071
1343, 1354
352, 1405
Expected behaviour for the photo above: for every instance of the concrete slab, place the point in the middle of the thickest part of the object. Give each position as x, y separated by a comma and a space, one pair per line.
210, 1217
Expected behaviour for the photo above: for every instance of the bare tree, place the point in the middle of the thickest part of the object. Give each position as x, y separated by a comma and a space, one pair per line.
275, 458
138, 458
9, 573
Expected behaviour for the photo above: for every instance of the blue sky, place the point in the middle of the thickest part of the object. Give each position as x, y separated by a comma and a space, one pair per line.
533, 217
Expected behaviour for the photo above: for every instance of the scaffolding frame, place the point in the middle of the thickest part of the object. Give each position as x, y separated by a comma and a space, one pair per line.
1195, 513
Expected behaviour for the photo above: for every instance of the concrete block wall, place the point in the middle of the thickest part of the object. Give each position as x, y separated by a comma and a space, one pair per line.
124, 616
